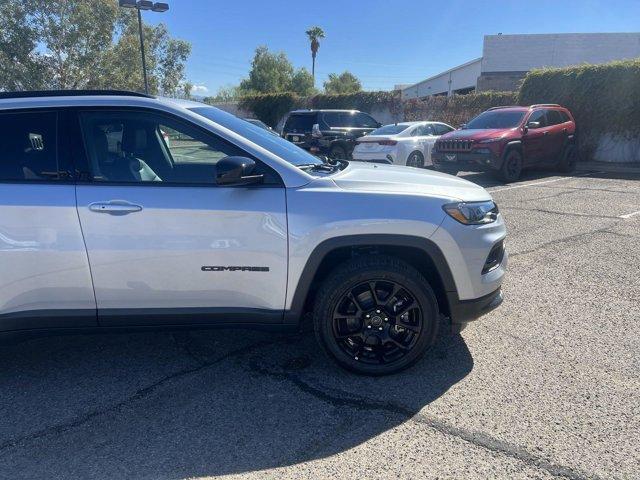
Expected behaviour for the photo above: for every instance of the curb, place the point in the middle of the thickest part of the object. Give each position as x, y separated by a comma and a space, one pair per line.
609, 167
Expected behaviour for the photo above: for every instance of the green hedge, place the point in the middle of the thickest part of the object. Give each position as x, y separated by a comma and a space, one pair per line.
457, 109
602, 98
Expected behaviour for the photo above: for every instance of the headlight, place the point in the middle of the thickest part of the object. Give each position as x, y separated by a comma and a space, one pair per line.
491, 140
472, 213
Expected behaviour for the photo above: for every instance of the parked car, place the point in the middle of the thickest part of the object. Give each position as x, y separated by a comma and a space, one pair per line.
229, 226
407, 143
261, 124
328, 132
506, 140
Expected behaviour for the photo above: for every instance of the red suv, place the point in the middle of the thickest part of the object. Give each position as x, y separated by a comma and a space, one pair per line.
506, 140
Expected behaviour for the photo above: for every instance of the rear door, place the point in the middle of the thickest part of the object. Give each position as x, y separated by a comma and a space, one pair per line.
45, 280
165, 243
557, 135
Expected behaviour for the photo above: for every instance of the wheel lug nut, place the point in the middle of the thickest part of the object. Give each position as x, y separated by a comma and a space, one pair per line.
386, 319
368, 316
377, 311
368, 326
380, 328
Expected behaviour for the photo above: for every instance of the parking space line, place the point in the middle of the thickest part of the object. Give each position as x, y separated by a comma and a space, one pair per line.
543, 182
629, 215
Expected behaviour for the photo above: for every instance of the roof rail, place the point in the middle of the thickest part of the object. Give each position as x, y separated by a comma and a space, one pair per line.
70, 93
545, 105
506, 106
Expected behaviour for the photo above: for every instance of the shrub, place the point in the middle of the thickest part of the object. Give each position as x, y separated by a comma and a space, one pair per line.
457, 109
602, 98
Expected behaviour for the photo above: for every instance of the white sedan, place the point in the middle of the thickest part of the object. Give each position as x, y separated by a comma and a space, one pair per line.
407, 143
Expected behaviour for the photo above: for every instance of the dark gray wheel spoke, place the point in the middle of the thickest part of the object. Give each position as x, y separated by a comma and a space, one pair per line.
408, 326
394, 292
372, 287
355, 301
396, 343
407, 307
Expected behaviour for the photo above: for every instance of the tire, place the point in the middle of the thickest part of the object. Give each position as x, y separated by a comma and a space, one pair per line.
402, 320
567, 163
415, 159
511, 168
338, 152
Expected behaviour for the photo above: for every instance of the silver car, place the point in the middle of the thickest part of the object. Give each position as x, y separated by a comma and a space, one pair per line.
123, 210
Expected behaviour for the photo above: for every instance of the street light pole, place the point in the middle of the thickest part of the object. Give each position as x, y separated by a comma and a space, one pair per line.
140, 5
144, 61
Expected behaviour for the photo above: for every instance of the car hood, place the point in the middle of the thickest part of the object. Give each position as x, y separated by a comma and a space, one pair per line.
475, 134
407, 180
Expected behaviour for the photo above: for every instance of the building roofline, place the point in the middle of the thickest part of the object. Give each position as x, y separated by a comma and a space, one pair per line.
466, 64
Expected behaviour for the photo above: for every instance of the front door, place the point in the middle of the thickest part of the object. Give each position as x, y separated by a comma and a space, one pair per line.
166, 244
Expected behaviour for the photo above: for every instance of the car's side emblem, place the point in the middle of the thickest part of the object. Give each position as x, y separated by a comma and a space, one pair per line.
451, 157
215, 268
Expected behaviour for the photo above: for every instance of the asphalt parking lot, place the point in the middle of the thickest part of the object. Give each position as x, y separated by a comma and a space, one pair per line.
546, 386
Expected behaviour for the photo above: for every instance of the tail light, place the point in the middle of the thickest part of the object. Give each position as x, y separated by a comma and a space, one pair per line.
387, 142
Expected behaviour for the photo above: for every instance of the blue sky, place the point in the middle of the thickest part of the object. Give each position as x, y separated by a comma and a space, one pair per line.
382, 42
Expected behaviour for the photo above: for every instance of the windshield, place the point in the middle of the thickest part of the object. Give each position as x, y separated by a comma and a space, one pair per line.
275, 144
496, 119
390, 130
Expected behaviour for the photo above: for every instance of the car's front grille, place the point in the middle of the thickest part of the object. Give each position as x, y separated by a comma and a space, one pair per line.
454, 145
495, 257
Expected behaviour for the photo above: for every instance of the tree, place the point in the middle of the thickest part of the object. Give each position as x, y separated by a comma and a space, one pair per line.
302, 82
270, 72
69, 44
228, 93
346, 82
274, 73
314, 34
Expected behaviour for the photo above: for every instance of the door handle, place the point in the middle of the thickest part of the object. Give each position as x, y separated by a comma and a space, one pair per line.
115, 207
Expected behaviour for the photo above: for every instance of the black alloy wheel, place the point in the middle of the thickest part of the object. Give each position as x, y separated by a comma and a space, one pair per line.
377, 322
375, 315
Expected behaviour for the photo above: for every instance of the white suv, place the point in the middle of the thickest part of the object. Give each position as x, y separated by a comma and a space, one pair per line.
122, 211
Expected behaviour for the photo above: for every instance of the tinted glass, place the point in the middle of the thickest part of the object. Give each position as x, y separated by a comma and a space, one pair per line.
565, 116
362, 120
28, 146
389, 130
496, 119
336, 119
301, 123
441, 129
140, 147
538, 116
554, 117
277, 145
425, 130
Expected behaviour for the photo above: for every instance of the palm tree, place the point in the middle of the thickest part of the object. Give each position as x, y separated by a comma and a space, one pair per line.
314, 34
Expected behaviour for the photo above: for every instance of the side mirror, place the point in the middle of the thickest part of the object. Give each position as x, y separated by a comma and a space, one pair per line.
315, 131
461, 126
533, 125
236, 171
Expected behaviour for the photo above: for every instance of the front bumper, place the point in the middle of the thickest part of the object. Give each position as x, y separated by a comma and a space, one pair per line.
465, 161
463, 311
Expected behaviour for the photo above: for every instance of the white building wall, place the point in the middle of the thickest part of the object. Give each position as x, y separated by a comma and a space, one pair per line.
521, 53
463, 76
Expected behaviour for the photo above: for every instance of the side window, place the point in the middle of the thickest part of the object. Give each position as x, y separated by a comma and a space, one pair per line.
362, 120
554, 117
426, 130
565, 116
441, 129
538, 116
183, 148
28, 150
145, 147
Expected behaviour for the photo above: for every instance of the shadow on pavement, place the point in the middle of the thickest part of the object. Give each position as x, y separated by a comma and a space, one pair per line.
197, 404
